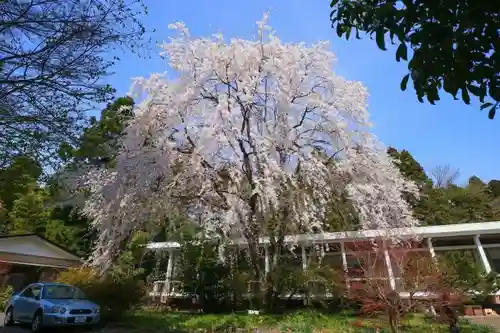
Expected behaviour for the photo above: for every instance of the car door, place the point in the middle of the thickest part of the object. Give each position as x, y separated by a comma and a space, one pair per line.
33, 302
21, 304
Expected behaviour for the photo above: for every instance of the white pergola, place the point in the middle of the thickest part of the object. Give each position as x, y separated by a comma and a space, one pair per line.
429, 234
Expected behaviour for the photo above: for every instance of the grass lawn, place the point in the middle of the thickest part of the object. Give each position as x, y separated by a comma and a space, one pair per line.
299, 322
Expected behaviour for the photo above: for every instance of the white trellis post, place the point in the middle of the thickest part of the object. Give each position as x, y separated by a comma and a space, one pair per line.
168, 275
390, 273
344, 264
266, 261
304, 257
482, 254
432, 252
304, 265
434, 260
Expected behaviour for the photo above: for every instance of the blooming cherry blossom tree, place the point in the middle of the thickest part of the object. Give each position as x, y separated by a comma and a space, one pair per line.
241, 139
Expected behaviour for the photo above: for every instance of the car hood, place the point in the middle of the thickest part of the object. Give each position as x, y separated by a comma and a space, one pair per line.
73, 303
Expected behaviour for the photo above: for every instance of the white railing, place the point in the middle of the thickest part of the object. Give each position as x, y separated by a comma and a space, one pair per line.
173, 290
165, 290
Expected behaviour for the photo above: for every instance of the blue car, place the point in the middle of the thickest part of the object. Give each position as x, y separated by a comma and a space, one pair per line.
49, 305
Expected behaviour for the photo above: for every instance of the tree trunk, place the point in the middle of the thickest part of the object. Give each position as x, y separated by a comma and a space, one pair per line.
275, 255
454, 328
269, 297
393, 322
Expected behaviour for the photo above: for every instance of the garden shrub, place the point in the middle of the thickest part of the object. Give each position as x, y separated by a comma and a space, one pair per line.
5, 295
219, 286
115, 295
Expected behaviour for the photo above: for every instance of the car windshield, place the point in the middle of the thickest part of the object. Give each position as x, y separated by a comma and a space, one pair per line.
62, 292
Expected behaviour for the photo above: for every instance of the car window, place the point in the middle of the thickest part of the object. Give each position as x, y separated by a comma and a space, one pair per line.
28, 292
36, 290
32, 291
62, 292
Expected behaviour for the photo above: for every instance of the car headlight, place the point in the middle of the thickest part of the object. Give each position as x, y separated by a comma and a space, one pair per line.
97, 310
58, 309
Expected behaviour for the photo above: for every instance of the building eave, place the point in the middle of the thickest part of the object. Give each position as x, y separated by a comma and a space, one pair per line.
439, 231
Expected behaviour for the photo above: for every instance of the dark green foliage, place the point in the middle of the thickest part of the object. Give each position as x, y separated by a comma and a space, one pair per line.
121, 287
220, 286
29, 207
224, 285
494, 187
22, 198
130, 263
293, 322
341, 214
452, 204
450, 45
115, 294
18, 179
465, 273
97, 146
408, 166
71, 230
455, 205
99, 142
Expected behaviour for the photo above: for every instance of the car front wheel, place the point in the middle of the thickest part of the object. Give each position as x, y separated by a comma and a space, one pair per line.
9, 317
36, 324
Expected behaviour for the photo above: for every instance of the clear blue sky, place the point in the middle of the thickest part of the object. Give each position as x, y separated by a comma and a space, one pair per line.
447, 133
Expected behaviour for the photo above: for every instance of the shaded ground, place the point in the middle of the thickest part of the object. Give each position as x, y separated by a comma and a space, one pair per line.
25, 329
14, 329
493, 321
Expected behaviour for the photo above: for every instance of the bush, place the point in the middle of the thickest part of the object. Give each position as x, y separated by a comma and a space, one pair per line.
5, 295
294, 322
114, 295
219, 286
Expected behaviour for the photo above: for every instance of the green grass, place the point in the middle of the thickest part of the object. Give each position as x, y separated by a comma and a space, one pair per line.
297, 322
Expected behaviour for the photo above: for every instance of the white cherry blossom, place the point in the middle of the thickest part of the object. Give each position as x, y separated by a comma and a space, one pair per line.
239, 135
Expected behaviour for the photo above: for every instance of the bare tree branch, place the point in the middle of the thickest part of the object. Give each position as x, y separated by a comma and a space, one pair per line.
420, 281
52, 63
444, 175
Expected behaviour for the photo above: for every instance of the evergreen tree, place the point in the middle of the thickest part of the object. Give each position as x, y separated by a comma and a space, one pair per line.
451, 204
99, 142
97, 145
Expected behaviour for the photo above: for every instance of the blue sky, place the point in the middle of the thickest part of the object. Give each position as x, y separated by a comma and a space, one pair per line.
447, 133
